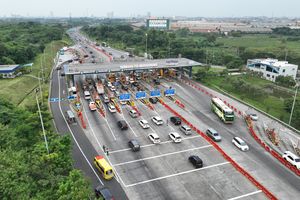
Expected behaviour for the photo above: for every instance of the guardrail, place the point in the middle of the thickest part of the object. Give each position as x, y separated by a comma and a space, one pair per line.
264, 145
227, 157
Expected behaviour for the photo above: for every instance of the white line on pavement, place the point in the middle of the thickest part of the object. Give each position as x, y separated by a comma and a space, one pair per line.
245, 195
59, 105
177, 174
161, 155
148, 145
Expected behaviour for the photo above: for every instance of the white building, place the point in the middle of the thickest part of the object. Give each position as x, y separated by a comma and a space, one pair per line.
271, 68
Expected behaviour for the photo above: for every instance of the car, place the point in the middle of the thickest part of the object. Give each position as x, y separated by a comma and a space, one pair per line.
133, 113
196, 161
136, 84
92, 106
117, 93
113, 88
103, 193
58, 67
134, 145
106, 99
175, 120
239, 143
153, 100
186, 130
111, 108
175, 137
144, 124
253, 116
157, 120
122, 125
125, 87
292, 158
154, 138
109, 84
213, 134
156, 82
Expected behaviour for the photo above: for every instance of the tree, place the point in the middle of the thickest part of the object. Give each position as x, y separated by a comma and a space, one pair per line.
286, 81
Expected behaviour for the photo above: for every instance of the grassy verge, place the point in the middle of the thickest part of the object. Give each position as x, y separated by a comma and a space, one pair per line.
20, 90
271, 103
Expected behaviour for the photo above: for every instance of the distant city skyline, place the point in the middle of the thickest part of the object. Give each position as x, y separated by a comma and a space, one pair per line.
157, 8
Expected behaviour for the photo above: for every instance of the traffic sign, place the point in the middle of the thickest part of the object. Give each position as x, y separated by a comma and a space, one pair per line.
155, 93
140, 95
124, 97
71, 97
169, 92
54, 100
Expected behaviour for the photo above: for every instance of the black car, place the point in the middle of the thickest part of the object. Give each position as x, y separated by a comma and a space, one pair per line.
103, 192
156, 82
122, 125
134, 145
125, 87
196, 161
136, 84
175, 120
153, 100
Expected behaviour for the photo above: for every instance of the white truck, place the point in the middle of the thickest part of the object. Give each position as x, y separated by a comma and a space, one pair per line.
100, 88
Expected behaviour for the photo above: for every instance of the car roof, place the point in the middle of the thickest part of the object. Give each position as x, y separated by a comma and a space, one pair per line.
239, 139
291, 154
175, 134
133, 141
157, 117
144, 121
154, 135
212, 130
196, 157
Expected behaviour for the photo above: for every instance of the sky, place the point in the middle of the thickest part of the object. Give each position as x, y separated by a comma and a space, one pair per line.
157, 8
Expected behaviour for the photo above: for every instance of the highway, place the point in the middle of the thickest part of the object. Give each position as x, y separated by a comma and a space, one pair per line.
163, 171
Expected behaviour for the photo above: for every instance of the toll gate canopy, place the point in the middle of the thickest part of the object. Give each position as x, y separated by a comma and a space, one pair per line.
92, 68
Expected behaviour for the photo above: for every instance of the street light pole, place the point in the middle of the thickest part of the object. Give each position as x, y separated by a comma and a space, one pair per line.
42, 123
146, 45
293, 104
40, 86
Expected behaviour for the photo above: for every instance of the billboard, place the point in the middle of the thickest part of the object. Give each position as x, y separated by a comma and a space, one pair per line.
169, 92
124, 97
155, 93
140, 95
158, 23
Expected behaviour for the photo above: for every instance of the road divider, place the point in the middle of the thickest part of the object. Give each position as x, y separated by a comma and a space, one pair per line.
275, 154
225, 155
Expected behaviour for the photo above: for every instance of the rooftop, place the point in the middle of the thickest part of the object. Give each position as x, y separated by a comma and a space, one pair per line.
8, 68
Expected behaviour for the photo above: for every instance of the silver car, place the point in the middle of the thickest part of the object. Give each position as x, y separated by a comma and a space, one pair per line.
213, 134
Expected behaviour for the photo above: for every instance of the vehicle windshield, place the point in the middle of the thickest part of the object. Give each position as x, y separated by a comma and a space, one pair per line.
242, 143
229, 113
297, 160
216, 134
109, 172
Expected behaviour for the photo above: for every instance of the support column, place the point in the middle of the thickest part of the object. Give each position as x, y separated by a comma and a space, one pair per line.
190, 72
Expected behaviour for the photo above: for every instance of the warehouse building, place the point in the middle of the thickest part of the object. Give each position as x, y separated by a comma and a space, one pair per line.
9, 71
271, 68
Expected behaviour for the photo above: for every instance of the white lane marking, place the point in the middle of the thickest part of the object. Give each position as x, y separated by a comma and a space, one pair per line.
59, 105
117, 175
162, 155
148, 145
245, 195
105, 119
128, 122
177, 174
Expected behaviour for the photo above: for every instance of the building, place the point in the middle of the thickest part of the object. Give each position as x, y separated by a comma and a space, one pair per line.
158, 23
271, 68
9, 71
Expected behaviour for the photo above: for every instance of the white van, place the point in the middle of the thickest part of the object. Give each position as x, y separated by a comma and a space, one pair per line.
133, 113
87, 95
186, 130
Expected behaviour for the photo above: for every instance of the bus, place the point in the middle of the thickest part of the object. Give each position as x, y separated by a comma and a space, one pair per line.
103, 167
224, 112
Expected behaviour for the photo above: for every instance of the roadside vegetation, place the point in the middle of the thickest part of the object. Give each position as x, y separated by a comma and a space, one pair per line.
27, 170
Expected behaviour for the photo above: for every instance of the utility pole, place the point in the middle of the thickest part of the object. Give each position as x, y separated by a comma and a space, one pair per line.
42, 123
297, 86
146, 45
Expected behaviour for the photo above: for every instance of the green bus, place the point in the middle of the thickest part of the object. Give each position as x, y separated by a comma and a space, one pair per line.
224, 112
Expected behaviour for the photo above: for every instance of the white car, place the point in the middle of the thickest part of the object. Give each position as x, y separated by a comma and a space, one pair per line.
144, 124
175, 137
186, 130
253, 116
292, 158
154, 138
111, 108
157, 120
239, 143
113, 88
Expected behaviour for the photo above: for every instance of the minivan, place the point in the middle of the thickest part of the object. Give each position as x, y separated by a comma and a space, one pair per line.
213, 134
186, 130
196, 161
122, 125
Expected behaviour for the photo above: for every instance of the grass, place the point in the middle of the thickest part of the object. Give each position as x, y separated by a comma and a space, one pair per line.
270, 104
20, 89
